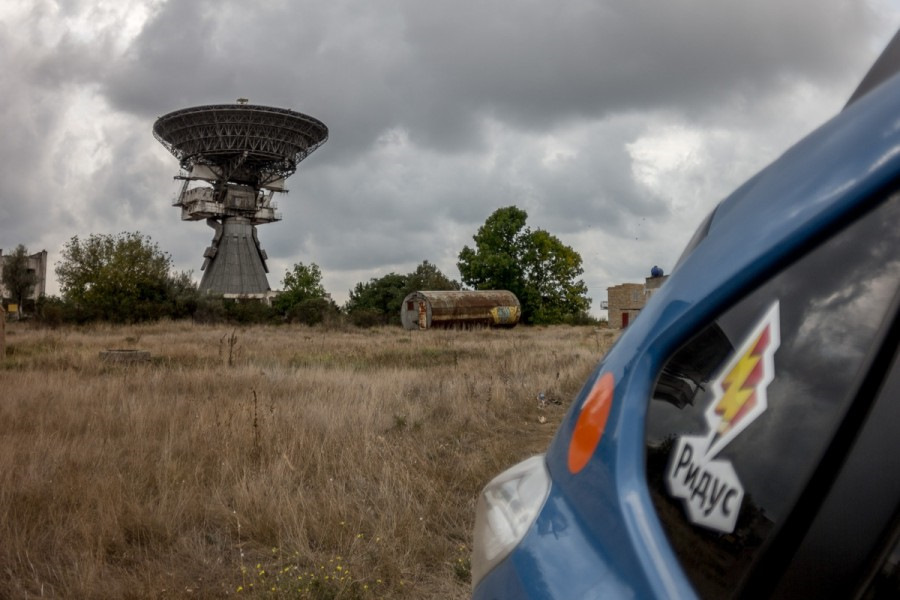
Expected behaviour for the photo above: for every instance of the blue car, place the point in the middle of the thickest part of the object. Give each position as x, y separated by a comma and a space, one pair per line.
742, 437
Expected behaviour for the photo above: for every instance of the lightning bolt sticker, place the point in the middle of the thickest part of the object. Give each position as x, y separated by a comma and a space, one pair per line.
740, 387
710, 487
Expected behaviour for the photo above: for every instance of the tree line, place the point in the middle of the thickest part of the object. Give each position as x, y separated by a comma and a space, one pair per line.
127, 278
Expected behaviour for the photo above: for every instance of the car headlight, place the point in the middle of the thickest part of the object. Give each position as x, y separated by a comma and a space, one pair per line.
507, 507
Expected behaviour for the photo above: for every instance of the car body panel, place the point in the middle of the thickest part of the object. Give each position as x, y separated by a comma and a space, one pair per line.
615, 542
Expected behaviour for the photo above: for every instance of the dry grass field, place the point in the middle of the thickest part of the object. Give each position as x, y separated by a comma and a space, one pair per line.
265, 461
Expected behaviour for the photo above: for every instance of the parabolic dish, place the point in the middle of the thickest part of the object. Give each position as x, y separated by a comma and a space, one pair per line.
245, 140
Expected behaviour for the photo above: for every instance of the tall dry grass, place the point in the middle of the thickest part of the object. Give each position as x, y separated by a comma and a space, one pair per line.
282, 461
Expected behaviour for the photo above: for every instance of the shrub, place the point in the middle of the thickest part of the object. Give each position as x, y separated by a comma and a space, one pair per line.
250, 311
313, 311
365, 317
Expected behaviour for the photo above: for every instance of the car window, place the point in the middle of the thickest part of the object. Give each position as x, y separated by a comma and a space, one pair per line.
741, 413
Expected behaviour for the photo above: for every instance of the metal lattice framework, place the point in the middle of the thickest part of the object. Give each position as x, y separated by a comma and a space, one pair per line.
247, 143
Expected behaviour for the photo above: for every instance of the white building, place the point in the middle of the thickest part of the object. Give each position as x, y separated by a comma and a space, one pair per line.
37, 264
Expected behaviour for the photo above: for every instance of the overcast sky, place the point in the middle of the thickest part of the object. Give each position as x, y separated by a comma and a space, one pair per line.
616, 125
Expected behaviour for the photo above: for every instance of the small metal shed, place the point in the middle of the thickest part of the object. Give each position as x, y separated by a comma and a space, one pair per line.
493, 308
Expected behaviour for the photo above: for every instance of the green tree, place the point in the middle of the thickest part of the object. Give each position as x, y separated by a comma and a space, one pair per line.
183, 295
301, 283
313, 311
18, 279
495, 263
553, 292
379, 300
428, 277
122, 278
534, 265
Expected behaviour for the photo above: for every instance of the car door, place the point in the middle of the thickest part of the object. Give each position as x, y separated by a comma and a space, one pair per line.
758, 458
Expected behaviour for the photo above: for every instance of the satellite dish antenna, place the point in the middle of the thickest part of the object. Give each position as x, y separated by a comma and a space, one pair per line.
241, 153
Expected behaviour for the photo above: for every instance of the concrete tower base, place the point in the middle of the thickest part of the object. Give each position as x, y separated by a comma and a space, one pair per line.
235, 263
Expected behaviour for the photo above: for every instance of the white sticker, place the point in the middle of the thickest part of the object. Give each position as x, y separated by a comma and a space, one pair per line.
711, 490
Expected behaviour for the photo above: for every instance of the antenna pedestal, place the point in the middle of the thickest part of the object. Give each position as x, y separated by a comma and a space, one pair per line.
234, 263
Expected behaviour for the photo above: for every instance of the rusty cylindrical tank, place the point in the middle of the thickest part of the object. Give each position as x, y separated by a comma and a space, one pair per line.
493, 308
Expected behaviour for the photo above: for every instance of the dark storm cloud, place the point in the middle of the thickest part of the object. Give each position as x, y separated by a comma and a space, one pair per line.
173, 62
330, 60
383, 210
25, 123
439, 70
534, 63
131, 183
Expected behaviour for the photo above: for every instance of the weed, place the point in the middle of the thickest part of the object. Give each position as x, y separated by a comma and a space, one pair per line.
400, 422
231, 342
462, 568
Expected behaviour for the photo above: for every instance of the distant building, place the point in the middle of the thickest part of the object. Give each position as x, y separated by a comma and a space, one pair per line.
460, 308
37, 263
626, 300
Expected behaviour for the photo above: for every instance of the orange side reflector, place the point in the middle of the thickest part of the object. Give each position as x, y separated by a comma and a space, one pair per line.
591, 423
